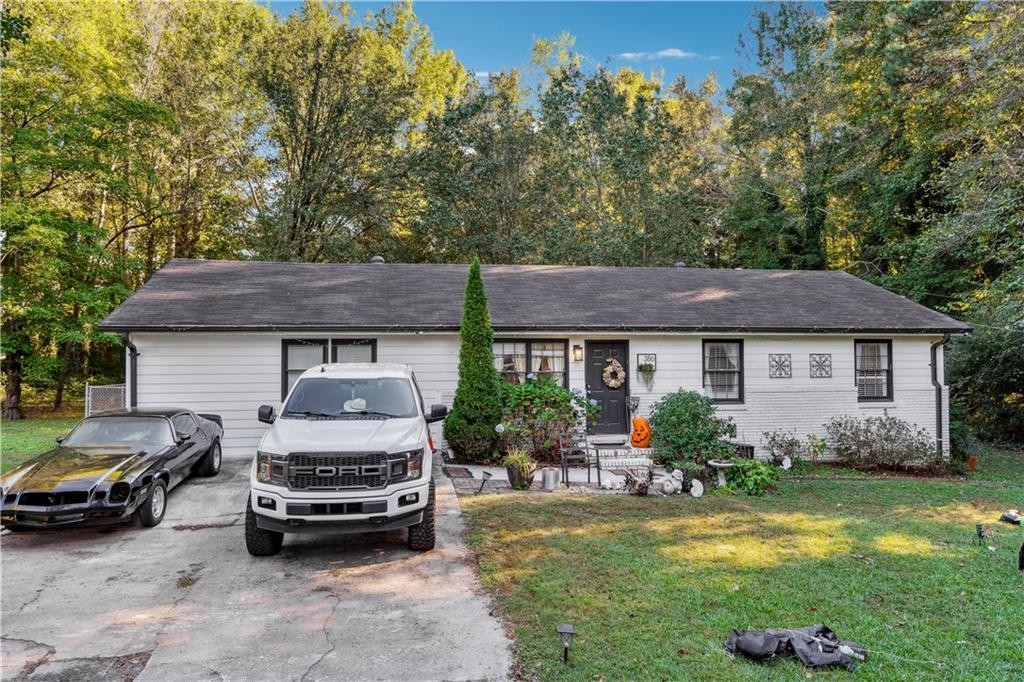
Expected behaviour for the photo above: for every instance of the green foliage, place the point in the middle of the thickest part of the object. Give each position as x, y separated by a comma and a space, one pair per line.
878, 138
880, 442
538, 412
752, 476
684, 428
476, 411
346, 101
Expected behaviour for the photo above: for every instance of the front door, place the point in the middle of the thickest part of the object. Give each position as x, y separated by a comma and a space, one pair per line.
614, 417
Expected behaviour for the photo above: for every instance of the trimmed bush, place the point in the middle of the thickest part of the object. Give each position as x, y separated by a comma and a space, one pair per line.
684, 428
880, 443
469, 427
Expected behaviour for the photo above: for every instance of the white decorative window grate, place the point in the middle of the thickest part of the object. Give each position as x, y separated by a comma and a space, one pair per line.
821, 365
780, 366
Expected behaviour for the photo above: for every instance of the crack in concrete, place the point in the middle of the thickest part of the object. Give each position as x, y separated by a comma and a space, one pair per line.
39, 592
33, 663
323, 628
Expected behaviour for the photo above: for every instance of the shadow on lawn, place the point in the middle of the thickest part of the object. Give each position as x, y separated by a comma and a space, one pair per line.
654, 585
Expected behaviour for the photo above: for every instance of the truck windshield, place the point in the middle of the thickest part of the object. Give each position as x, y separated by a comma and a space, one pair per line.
326, 397
116, 430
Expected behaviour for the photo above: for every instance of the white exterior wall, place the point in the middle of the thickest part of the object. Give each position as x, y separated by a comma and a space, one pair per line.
232, 374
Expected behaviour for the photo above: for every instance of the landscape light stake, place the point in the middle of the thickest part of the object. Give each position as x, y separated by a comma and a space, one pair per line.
486, 476
565, 632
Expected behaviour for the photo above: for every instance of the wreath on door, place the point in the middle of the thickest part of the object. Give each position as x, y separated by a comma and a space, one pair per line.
614, 374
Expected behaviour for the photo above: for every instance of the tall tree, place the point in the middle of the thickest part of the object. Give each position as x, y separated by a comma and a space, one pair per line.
476, 410
784, 142
69, 120
346, 101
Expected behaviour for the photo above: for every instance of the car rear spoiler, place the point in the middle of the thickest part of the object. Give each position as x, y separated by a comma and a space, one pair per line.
216, 418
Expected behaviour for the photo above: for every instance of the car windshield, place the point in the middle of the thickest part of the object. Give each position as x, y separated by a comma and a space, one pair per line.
327, 397
117, 430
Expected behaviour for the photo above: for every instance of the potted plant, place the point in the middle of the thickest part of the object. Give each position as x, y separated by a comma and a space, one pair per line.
520, 467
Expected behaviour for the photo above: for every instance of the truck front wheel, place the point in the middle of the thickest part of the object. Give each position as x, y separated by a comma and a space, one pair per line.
258, 541
422, 535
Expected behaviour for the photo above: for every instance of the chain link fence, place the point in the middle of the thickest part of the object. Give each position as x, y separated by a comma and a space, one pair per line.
106, 397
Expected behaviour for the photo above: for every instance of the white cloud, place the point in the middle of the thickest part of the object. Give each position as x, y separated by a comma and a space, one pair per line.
667, 53
482, 75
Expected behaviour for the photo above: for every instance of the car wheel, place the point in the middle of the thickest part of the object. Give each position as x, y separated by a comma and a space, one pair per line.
422, 536
210, 465
152, 510
258, 541
16, 529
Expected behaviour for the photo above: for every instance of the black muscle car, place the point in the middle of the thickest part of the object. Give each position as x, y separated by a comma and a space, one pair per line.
110, 466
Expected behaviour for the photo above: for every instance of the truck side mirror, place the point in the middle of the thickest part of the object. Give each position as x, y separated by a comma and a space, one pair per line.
266, 414
437, 413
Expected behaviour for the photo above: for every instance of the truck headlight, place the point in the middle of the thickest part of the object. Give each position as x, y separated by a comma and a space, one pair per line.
264, 467
413, 464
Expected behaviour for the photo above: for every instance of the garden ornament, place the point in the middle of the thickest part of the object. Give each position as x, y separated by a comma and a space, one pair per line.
696, 488
566, 633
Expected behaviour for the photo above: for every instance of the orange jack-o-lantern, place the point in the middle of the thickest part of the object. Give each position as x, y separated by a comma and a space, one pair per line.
641, 437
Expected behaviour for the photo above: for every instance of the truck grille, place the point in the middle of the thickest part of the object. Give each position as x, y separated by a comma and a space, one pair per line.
333, 471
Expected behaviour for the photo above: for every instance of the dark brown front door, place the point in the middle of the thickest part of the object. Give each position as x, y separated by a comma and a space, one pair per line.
614, 410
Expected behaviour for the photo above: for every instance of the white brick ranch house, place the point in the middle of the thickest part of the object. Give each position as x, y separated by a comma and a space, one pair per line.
778, 350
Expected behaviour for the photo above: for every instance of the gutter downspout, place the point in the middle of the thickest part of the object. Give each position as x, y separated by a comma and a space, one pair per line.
938, 392
133, 370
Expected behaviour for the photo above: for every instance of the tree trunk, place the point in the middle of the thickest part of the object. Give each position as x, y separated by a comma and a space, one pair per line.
62, 378
12, 377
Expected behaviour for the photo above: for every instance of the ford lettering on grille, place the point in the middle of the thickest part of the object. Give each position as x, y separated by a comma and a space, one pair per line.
334, 471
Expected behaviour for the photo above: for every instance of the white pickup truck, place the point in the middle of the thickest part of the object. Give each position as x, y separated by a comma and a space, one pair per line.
350, 452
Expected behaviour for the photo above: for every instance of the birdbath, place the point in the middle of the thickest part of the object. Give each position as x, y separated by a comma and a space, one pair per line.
720, 465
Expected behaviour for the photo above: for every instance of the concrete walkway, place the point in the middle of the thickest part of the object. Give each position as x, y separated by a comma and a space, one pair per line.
184, 601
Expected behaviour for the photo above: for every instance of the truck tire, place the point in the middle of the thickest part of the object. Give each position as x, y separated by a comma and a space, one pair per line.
210, 464
422, 536
151, 511
258, 541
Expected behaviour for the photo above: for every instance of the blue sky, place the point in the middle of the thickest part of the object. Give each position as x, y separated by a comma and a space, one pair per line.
688, 38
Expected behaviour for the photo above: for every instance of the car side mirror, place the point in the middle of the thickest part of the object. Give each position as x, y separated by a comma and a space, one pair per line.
60, 439
266, 414
437, 413
182, 437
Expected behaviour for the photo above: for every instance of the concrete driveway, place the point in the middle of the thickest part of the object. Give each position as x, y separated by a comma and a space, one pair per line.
184, 601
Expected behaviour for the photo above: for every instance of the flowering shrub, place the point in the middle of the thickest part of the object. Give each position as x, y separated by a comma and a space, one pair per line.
684, 428
880, 442
537, 412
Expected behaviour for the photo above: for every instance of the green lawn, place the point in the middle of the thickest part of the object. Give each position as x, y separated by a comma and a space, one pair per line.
654, 585
20, 440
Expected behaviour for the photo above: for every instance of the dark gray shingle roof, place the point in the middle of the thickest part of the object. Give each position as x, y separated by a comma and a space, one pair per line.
210, 295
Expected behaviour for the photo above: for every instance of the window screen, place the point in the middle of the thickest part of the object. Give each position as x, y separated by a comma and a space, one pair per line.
298, 357
353, 350
873, 370
723, 370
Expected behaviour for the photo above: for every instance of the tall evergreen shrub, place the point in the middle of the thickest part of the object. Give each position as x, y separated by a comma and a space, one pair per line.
469, 428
